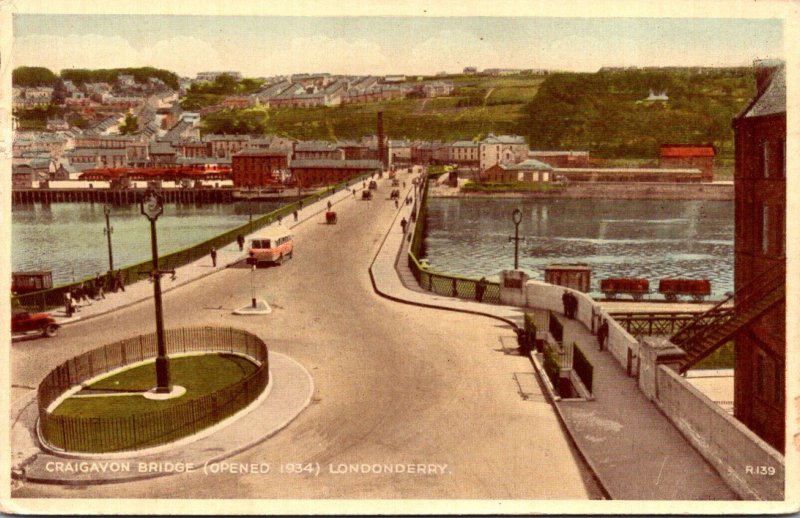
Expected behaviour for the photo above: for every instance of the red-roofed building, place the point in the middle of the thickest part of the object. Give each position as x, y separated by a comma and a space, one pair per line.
678, 156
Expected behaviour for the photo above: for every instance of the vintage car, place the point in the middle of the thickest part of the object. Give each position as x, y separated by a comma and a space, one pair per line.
366, 195
373, 185
23, 323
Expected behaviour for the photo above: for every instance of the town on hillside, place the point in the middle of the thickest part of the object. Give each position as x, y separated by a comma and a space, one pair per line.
111, 128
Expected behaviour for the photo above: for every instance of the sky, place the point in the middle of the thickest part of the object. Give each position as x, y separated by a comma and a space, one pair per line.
262, 46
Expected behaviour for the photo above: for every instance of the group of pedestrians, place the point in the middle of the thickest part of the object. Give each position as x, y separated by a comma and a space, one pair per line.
570, 302
84, 293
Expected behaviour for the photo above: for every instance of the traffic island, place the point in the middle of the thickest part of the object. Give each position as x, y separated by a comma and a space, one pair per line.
102, 401
261, 307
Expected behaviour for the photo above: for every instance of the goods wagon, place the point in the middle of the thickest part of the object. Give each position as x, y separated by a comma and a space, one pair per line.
697, 289
625, 286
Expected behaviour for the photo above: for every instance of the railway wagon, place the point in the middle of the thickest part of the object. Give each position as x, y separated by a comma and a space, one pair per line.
697, 289
636, 288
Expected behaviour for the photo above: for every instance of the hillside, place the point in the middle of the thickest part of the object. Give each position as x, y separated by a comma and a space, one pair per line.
478, 106
606, 113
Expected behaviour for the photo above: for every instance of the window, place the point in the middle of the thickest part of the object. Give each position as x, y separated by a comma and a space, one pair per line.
765, 158
764, 229
781, 159
780, 229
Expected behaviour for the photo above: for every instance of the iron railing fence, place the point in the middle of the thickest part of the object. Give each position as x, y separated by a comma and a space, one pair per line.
443, 283
653, 324
54, 297
583, 367
102, 434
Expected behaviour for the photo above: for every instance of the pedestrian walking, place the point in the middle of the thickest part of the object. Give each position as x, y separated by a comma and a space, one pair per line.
120, 281
88, 292
98, 287
396, 205
329, 204
111, 281
213, 257
480, 289
354, 192
403, 224
602, 335
295, 215
68, 308
565, 302
573, 305
240, 241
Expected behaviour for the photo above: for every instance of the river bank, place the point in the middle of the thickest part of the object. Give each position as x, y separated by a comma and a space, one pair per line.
718, 191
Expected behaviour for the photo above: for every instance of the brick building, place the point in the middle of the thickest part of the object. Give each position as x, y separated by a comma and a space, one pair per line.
308, 173
760, 256
675, 156
562, 158
256, 167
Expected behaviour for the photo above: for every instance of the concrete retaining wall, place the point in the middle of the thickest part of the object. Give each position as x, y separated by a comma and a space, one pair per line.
749, 465
548, 296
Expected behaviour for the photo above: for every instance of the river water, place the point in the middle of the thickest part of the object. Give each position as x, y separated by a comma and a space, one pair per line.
617, 238
68, 238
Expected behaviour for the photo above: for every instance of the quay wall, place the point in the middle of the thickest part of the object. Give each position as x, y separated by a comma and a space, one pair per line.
615, 190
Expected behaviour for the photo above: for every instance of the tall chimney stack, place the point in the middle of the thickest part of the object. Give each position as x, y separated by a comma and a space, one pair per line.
381, 147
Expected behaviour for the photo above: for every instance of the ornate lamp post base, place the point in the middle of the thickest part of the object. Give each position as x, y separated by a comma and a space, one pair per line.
164, 384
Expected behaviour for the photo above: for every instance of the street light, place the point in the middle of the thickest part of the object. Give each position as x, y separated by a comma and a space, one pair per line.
107, 231
152, 206
516, 216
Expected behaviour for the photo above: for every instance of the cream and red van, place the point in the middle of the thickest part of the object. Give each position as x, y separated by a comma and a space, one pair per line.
272, 245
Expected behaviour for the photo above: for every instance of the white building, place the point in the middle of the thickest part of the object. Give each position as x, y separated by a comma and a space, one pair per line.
502, 149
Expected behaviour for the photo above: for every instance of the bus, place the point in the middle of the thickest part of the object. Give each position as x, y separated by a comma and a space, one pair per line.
272, 245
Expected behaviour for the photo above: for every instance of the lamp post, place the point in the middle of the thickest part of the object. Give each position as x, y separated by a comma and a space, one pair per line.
107, 231
152, 206
516, 216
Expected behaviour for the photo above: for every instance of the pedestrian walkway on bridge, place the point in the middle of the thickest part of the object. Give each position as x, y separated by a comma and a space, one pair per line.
633, 449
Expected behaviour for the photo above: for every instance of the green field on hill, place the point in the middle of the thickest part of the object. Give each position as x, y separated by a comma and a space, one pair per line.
477, 108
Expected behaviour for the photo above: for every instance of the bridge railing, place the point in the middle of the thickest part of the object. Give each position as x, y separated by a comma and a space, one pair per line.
443, 283
54, 297
653, 324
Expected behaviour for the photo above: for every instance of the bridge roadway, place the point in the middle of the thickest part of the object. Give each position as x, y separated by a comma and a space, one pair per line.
395, 384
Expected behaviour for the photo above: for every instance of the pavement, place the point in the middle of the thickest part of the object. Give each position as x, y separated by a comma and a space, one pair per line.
632, 449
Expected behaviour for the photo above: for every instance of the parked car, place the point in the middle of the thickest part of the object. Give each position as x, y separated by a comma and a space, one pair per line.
23, 322
373, 185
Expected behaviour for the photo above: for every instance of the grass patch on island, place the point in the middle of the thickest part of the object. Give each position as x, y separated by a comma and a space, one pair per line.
200, 375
